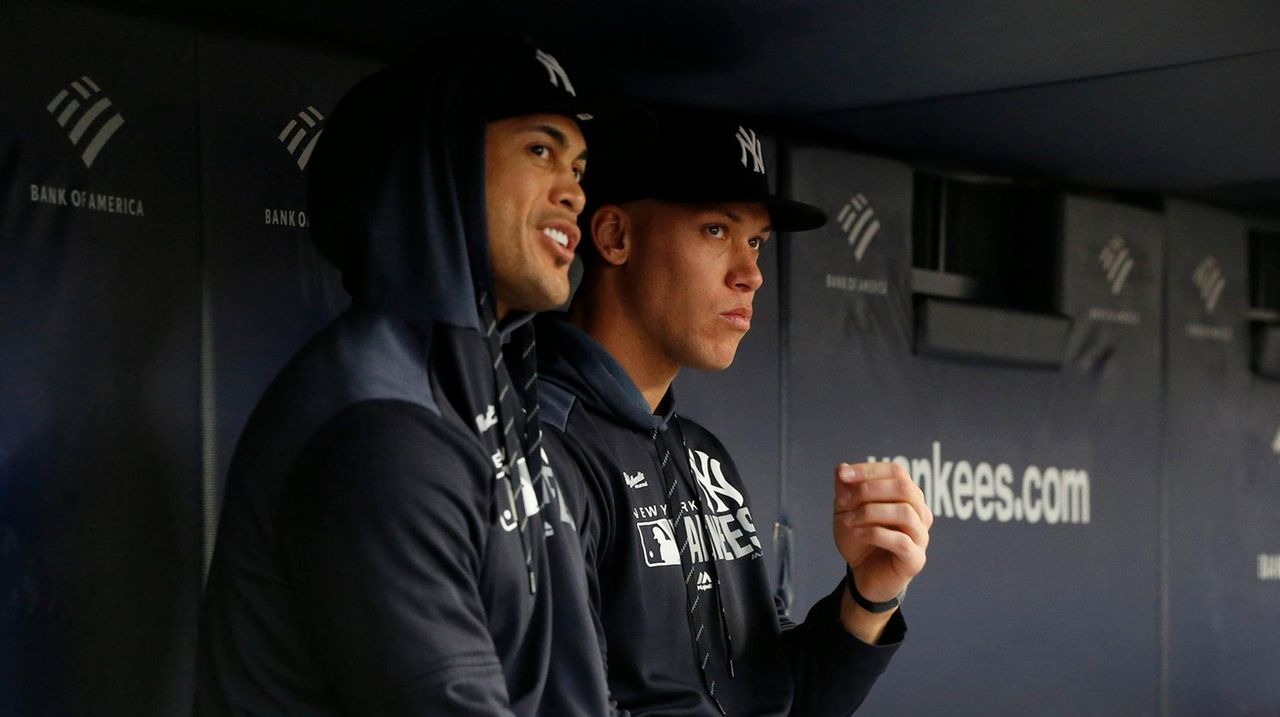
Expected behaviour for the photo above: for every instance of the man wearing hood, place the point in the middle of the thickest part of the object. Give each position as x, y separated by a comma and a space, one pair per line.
690, 624
393, 539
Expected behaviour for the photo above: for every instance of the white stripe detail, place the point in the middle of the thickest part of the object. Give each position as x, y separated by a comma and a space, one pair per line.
57, 100
287, 129
80, 88
100, 139
71, 108
91, 83
306, 151
98, 108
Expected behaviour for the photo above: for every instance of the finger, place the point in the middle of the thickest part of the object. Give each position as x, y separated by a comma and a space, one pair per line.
850, 473
896, 488
910, 555
896, 516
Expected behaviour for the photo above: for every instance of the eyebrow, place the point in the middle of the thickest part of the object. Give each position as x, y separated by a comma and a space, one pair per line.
560, 137
737, 219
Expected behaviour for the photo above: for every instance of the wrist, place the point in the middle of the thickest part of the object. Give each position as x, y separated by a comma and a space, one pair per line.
871, 606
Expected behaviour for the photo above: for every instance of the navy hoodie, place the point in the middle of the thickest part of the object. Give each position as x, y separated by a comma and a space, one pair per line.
374, 554
761, 663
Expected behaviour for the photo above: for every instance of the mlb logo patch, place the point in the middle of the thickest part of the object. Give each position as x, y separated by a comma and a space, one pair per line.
658, 542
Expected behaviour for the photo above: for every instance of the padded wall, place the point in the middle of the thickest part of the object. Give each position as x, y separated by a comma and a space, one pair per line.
1223, 479
1044, 483
99, 341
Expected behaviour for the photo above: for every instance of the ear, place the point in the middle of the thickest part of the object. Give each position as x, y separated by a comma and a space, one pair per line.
611, 231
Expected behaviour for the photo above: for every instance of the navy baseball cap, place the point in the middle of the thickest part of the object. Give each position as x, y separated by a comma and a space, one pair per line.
696, 159
536, 83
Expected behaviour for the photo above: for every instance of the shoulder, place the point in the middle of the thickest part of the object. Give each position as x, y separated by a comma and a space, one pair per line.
697, 434
555, 403
390, 449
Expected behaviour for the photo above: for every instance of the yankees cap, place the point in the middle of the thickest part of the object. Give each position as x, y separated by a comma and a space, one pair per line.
536, 83
696, 159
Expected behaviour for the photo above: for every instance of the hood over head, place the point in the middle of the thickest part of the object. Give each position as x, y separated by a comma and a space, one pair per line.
396, 192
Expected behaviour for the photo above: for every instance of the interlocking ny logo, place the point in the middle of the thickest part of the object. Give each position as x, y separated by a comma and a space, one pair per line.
858, 222
307, 123
559, 78
84, 102
1209, 280
751, 147
1117, 262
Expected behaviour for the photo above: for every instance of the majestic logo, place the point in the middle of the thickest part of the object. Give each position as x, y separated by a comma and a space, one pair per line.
658, 541
752, 148
485, 421
1209, 279
704, 581
858, 222
557, 75
85, 103
635, 481
1116, 262
307, 123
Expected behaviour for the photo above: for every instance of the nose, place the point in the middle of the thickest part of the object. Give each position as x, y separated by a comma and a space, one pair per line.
567, 191
745, 273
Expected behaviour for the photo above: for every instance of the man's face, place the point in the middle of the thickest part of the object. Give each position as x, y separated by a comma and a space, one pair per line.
692, 275
533, 165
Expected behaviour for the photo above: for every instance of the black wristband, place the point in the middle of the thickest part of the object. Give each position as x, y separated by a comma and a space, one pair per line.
865, 604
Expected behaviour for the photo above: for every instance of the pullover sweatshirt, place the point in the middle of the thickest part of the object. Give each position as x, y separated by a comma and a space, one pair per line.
594, 413
380, 551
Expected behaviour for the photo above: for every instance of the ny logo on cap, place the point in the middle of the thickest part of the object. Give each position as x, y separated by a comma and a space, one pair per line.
558, 77
751, 146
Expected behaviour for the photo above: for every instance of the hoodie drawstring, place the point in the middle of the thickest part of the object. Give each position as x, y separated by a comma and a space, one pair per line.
696, 615
521, 433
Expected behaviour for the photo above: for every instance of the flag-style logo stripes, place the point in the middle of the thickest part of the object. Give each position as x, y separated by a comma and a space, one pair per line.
294, 136
1209, 280
86, 113
1117, 262
858, 222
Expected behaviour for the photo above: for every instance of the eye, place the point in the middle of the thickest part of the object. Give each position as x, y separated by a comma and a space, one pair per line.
579, 173
540, 150
755, 243
719, 231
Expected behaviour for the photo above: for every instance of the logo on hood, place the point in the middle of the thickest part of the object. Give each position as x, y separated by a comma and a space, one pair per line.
1210, 281
86, 113
635, 481
752, 148
1116, 262
558, 77
859, 224
294, 136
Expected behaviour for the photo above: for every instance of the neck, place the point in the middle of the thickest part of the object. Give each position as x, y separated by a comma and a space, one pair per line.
598, 311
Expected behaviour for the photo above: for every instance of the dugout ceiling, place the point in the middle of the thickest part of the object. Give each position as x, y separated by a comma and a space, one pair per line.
1172, 96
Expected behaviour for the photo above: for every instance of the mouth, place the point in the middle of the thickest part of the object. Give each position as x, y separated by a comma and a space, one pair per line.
563, 234
739, 318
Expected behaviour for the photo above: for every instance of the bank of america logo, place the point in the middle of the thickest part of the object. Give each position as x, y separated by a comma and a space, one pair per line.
858, 222
300, 135
1116, 262
1209, 280
751, 149
558, 77
86, 112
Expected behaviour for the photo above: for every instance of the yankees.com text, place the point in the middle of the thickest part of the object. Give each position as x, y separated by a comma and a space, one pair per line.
965, 491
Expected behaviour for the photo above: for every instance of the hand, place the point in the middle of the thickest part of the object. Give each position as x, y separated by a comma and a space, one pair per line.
881, 527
